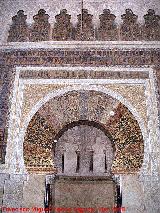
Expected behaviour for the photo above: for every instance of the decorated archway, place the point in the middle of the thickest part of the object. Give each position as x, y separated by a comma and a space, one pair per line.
93, 106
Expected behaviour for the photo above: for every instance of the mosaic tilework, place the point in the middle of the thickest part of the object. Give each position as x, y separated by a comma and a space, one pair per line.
41, 28
87, 57
33, 93
63, 29
108, 28
84, 28
63, 110
19, 30
127, 92
130, 29
47, 57
128, 140
37, 148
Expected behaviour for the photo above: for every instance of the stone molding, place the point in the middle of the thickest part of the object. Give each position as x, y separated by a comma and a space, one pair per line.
81, 44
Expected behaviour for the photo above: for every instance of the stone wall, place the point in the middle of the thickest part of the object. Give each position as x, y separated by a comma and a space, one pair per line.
84, 192
34, 191
92, 107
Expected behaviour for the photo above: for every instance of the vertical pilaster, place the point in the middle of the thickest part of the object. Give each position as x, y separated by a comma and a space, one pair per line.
13, 191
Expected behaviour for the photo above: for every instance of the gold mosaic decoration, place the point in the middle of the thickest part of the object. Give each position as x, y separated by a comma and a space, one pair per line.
34, 93
39, 137
127, 92
128, 141
85, 105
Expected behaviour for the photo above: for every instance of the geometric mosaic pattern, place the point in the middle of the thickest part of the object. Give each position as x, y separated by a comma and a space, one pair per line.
116, 119
128, 138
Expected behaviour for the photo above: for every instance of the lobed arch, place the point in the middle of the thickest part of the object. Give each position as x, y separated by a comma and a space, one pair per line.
79, 88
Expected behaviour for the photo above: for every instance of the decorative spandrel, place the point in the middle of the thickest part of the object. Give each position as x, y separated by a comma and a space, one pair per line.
41, 27
130, 29
108, 28
84, 28
63, 27
151, 28
18, 30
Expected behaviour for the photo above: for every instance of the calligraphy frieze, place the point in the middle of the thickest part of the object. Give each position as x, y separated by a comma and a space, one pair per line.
90, 57
82, 74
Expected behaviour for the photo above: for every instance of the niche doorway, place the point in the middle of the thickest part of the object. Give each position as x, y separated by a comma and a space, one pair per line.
83, 155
